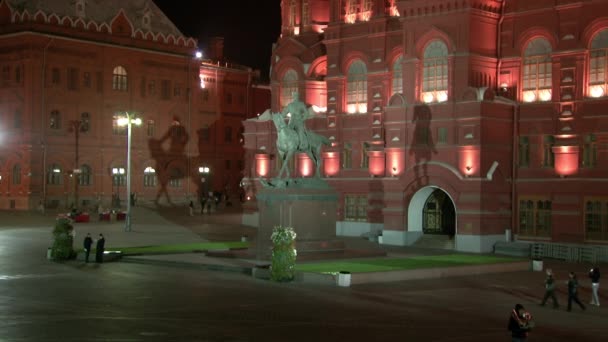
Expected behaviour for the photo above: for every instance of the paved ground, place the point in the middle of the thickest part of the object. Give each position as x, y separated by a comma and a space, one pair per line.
46, 301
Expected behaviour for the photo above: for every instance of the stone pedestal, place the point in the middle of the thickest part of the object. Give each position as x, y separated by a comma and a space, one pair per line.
311, 212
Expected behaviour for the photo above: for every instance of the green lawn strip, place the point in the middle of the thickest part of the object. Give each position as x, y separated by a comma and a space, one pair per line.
178, 248
393, 264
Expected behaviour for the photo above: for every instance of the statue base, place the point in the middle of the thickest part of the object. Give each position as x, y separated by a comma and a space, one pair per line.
311, 212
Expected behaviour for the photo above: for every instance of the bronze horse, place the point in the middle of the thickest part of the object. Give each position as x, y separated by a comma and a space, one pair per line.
288, 143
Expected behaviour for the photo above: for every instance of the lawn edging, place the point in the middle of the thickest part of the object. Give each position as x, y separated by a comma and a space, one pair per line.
415, 274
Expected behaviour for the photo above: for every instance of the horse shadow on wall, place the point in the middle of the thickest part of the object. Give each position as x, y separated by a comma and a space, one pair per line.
172, 163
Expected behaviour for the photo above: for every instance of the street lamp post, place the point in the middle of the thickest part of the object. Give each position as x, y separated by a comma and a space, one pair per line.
129, 120
204, 172
76, 126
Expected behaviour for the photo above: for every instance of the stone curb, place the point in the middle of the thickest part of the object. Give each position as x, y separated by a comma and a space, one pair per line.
188, 265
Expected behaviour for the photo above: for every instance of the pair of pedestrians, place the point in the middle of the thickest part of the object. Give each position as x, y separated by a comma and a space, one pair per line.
100, 247
572, 289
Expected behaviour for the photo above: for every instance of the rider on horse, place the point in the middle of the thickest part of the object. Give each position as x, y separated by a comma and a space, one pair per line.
298, 113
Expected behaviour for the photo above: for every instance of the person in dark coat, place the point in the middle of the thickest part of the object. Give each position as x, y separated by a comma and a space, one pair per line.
101, 243
88, 242
594, 274
573, 292
550, 289
520, 323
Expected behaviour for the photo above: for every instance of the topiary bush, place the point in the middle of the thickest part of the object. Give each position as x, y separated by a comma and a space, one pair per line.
283, 267
63, 240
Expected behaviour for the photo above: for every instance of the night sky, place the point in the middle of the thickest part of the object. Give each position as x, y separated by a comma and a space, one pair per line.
249, 27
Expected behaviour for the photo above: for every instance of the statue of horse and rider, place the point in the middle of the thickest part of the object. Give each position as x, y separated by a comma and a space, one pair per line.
293, 137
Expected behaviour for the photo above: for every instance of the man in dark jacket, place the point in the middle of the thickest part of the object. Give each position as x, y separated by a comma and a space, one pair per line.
101, 243
88, 242
520, 323
573, 292
594, 274
550, 289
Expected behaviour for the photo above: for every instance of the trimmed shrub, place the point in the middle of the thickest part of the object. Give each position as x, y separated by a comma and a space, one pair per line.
63, 240
283, 267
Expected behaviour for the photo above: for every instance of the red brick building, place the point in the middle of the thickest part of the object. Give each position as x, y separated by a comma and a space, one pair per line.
467, 118
70, 69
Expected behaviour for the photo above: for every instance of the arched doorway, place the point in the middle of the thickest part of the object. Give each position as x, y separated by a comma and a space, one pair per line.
438, 214
437, 218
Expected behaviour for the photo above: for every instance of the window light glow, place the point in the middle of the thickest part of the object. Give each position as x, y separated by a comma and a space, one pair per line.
351, 108
529, 96
362, 107
544, 95
442, 96
428, 97
597, 91
318, 109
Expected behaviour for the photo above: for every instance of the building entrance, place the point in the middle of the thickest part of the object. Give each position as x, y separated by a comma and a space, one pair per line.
438, 214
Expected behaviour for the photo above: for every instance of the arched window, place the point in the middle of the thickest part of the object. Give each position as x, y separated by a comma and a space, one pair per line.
16, 174
86, 175
397, 81
119, 79
54, 175
347, 156
289, 85
149, 177
536, 72
352, 7
365, 148
598, 65
435, 73
292, 13
305, 13
356, 88
119, 177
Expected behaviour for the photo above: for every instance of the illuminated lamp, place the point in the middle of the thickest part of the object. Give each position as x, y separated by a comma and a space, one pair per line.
376, 163
331, 163
395, 160
296, 31
596, 91
468, 160
262, 164
544, 95
305, 165
529, 96
427, 97
504, 87
566, 160
442, 96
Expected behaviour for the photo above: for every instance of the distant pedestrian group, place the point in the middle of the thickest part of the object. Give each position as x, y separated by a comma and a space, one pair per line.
99, 248
573, 289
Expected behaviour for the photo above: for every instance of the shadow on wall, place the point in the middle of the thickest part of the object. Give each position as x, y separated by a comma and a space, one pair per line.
422, 146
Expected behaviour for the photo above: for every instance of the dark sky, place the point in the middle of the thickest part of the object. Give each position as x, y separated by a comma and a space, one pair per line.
249, 27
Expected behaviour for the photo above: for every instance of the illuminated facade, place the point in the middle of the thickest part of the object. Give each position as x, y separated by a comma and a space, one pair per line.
468, 118
70, 69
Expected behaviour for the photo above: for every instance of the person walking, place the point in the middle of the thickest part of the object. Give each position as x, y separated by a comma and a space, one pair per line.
88, 242
101, 244
573, 292
550, 290
191, 206
520, 323
594, 274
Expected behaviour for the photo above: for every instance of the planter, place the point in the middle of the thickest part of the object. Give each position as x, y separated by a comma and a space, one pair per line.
344, 279
537, 265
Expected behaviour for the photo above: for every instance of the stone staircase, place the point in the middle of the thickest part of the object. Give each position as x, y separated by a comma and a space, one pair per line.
435, 241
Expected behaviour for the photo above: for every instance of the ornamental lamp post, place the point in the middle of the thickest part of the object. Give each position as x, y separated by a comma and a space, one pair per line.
129, 120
